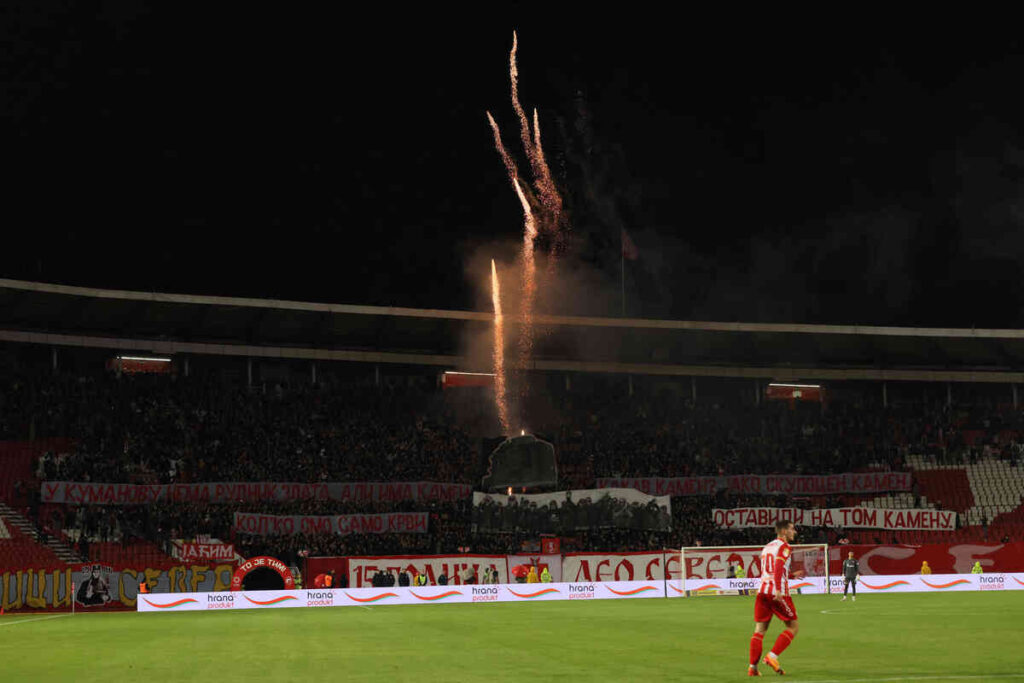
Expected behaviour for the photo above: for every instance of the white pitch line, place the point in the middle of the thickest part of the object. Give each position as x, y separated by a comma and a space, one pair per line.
25, 621
986, 677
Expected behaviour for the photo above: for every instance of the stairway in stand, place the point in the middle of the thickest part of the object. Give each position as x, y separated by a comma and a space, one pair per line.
14, 520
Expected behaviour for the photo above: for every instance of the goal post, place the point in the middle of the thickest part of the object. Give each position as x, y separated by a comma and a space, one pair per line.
704, 570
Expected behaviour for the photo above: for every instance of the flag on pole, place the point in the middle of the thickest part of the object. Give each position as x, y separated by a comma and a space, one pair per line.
629, 250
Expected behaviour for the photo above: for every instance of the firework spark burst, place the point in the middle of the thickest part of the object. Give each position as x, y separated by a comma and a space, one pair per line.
500, 379
545, 186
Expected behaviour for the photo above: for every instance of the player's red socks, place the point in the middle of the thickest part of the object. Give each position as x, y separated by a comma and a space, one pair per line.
784, 640
756, 641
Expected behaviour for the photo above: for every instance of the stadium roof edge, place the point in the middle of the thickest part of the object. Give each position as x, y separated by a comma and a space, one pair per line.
580, 321
159, 346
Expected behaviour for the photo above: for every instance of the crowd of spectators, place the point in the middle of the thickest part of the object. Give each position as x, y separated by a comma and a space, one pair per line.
162, 429
158, 429
650, 437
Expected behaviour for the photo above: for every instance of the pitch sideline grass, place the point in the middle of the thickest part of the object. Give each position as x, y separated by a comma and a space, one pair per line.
905, 637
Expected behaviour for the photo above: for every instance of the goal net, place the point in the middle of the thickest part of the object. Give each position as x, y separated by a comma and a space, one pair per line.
705, 570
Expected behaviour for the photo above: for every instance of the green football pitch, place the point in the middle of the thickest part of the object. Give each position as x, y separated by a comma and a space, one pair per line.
907, 637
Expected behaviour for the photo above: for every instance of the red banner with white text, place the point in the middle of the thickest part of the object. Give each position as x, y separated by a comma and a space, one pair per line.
288, 525
790, 484
942, 558
85, 493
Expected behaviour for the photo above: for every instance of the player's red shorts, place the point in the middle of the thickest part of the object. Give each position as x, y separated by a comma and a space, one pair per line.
765, 606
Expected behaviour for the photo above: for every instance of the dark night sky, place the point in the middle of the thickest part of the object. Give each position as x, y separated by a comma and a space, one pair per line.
766, 172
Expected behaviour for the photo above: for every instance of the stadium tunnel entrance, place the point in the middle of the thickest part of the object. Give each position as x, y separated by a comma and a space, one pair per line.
261, 574
262, 579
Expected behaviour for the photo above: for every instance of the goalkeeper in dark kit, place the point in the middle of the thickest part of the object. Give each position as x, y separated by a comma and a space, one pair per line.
851, 570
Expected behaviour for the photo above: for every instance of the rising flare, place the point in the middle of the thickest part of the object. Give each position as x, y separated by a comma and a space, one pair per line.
500, 392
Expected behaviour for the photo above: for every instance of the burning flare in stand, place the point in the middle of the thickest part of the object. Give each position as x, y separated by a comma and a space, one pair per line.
500, 391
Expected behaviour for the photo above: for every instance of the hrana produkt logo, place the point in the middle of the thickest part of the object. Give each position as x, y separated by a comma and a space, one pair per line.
484, 593
220, 600
319, 598
581, 592
991, 583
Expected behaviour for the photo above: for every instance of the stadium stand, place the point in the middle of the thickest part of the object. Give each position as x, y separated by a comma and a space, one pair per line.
220, 416
989, 491
165, 429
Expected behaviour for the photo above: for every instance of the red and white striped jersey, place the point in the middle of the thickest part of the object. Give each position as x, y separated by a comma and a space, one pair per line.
775, 558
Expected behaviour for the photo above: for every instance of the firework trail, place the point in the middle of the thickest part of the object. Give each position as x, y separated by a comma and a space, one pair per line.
542, 212
510, 164
529, 277
500, 385
524, 123
548, 192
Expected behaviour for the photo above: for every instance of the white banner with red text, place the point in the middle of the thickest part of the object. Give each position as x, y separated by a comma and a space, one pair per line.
195, 552
619, 590
553, 563
897, 583
86, 493
571, 567
286, 525
943, 558
425, 595
848, 518
791, 484
600, 567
